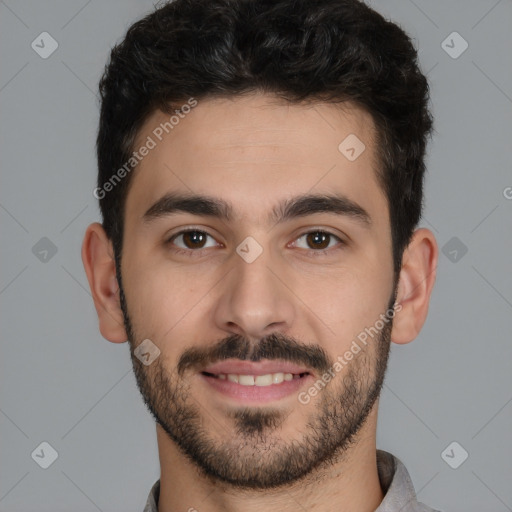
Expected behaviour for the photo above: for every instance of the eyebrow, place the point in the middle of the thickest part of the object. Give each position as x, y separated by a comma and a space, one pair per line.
295, 207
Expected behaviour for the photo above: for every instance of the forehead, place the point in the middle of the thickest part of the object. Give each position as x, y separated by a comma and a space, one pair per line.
255, 150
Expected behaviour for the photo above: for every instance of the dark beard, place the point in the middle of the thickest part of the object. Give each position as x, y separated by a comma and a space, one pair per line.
253, 455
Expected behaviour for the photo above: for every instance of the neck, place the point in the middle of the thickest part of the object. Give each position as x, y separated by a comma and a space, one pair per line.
349, 484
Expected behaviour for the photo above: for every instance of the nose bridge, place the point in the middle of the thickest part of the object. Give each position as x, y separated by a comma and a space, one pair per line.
253, 301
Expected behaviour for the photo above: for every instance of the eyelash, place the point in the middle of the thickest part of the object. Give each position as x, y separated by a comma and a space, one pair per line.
198, 252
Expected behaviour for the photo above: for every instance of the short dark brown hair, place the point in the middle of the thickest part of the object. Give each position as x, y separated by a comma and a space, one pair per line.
299, 50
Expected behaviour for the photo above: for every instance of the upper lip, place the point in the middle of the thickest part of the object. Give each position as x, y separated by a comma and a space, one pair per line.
264, 367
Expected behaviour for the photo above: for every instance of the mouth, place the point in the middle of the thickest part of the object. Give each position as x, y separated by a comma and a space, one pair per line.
268, 379
260, 382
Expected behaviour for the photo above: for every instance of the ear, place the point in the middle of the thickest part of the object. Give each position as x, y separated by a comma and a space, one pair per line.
99, 264
417, 277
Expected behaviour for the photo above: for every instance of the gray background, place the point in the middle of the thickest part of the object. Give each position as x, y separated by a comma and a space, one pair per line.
62, 383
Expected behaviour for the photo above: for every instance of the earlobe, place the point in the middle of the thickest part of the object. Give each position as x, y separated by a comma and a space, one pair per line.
417, 277
99, 264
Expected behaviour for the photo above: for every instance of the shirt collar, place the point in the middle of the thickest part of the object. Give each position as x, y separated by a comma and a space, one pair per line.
396, 484
399, 494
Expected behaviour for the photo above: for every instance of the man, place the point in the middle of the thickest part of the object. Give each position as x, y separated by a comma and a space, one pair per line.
260, 182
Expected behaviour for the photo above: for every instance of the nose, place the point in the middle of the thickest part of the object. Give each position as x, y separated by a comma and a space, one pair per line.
254, 299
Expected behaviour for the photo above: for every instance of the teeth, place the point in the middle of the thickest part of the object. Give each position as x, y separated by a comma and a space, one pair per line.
246, 380
277, 378
263, 380
257, 380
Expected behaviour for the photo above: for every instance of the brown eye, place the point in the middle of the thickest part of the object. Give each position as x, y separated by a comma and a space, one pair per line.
318, 239
194, 239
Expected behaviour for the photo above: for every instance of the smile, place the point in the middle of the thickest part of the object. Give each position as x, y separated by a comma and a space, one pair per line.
269, 379
255, 381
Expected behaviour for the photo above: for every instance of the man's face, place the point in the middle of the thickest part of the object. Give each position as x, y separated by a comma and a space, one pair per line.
246, 326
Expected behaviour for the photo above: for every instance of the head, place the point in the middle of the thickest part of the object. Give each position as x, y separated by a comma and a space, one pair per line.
268, 223
333, 51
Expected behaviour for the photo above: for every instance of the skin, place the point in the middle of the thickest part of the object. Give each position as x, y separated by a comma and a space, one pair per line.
253, 152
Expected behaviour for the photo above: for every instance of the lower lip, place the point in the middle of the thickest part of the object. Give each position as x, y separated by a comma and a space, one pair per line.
256, 394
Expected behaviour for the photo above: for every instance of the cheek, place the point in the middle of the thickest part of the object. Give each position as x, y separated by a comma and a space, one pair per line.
163, 298
348, 301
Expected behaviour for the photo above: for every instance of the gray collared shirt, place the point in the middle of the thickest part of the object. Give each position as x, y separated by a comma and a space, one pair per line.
399, 494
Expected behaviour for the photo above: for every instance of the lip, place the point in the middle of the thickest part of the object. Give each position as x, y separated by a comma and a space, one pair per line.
255, 394
255, 368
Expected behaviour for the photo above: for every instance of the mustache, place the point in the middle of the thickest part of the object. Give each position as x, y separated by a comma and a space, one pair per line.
274, 346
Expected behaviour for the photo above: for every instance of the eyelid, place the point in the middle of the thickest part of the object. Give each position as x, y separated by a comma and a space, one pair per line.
207, 230
341, 240
170, 238
323, 229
